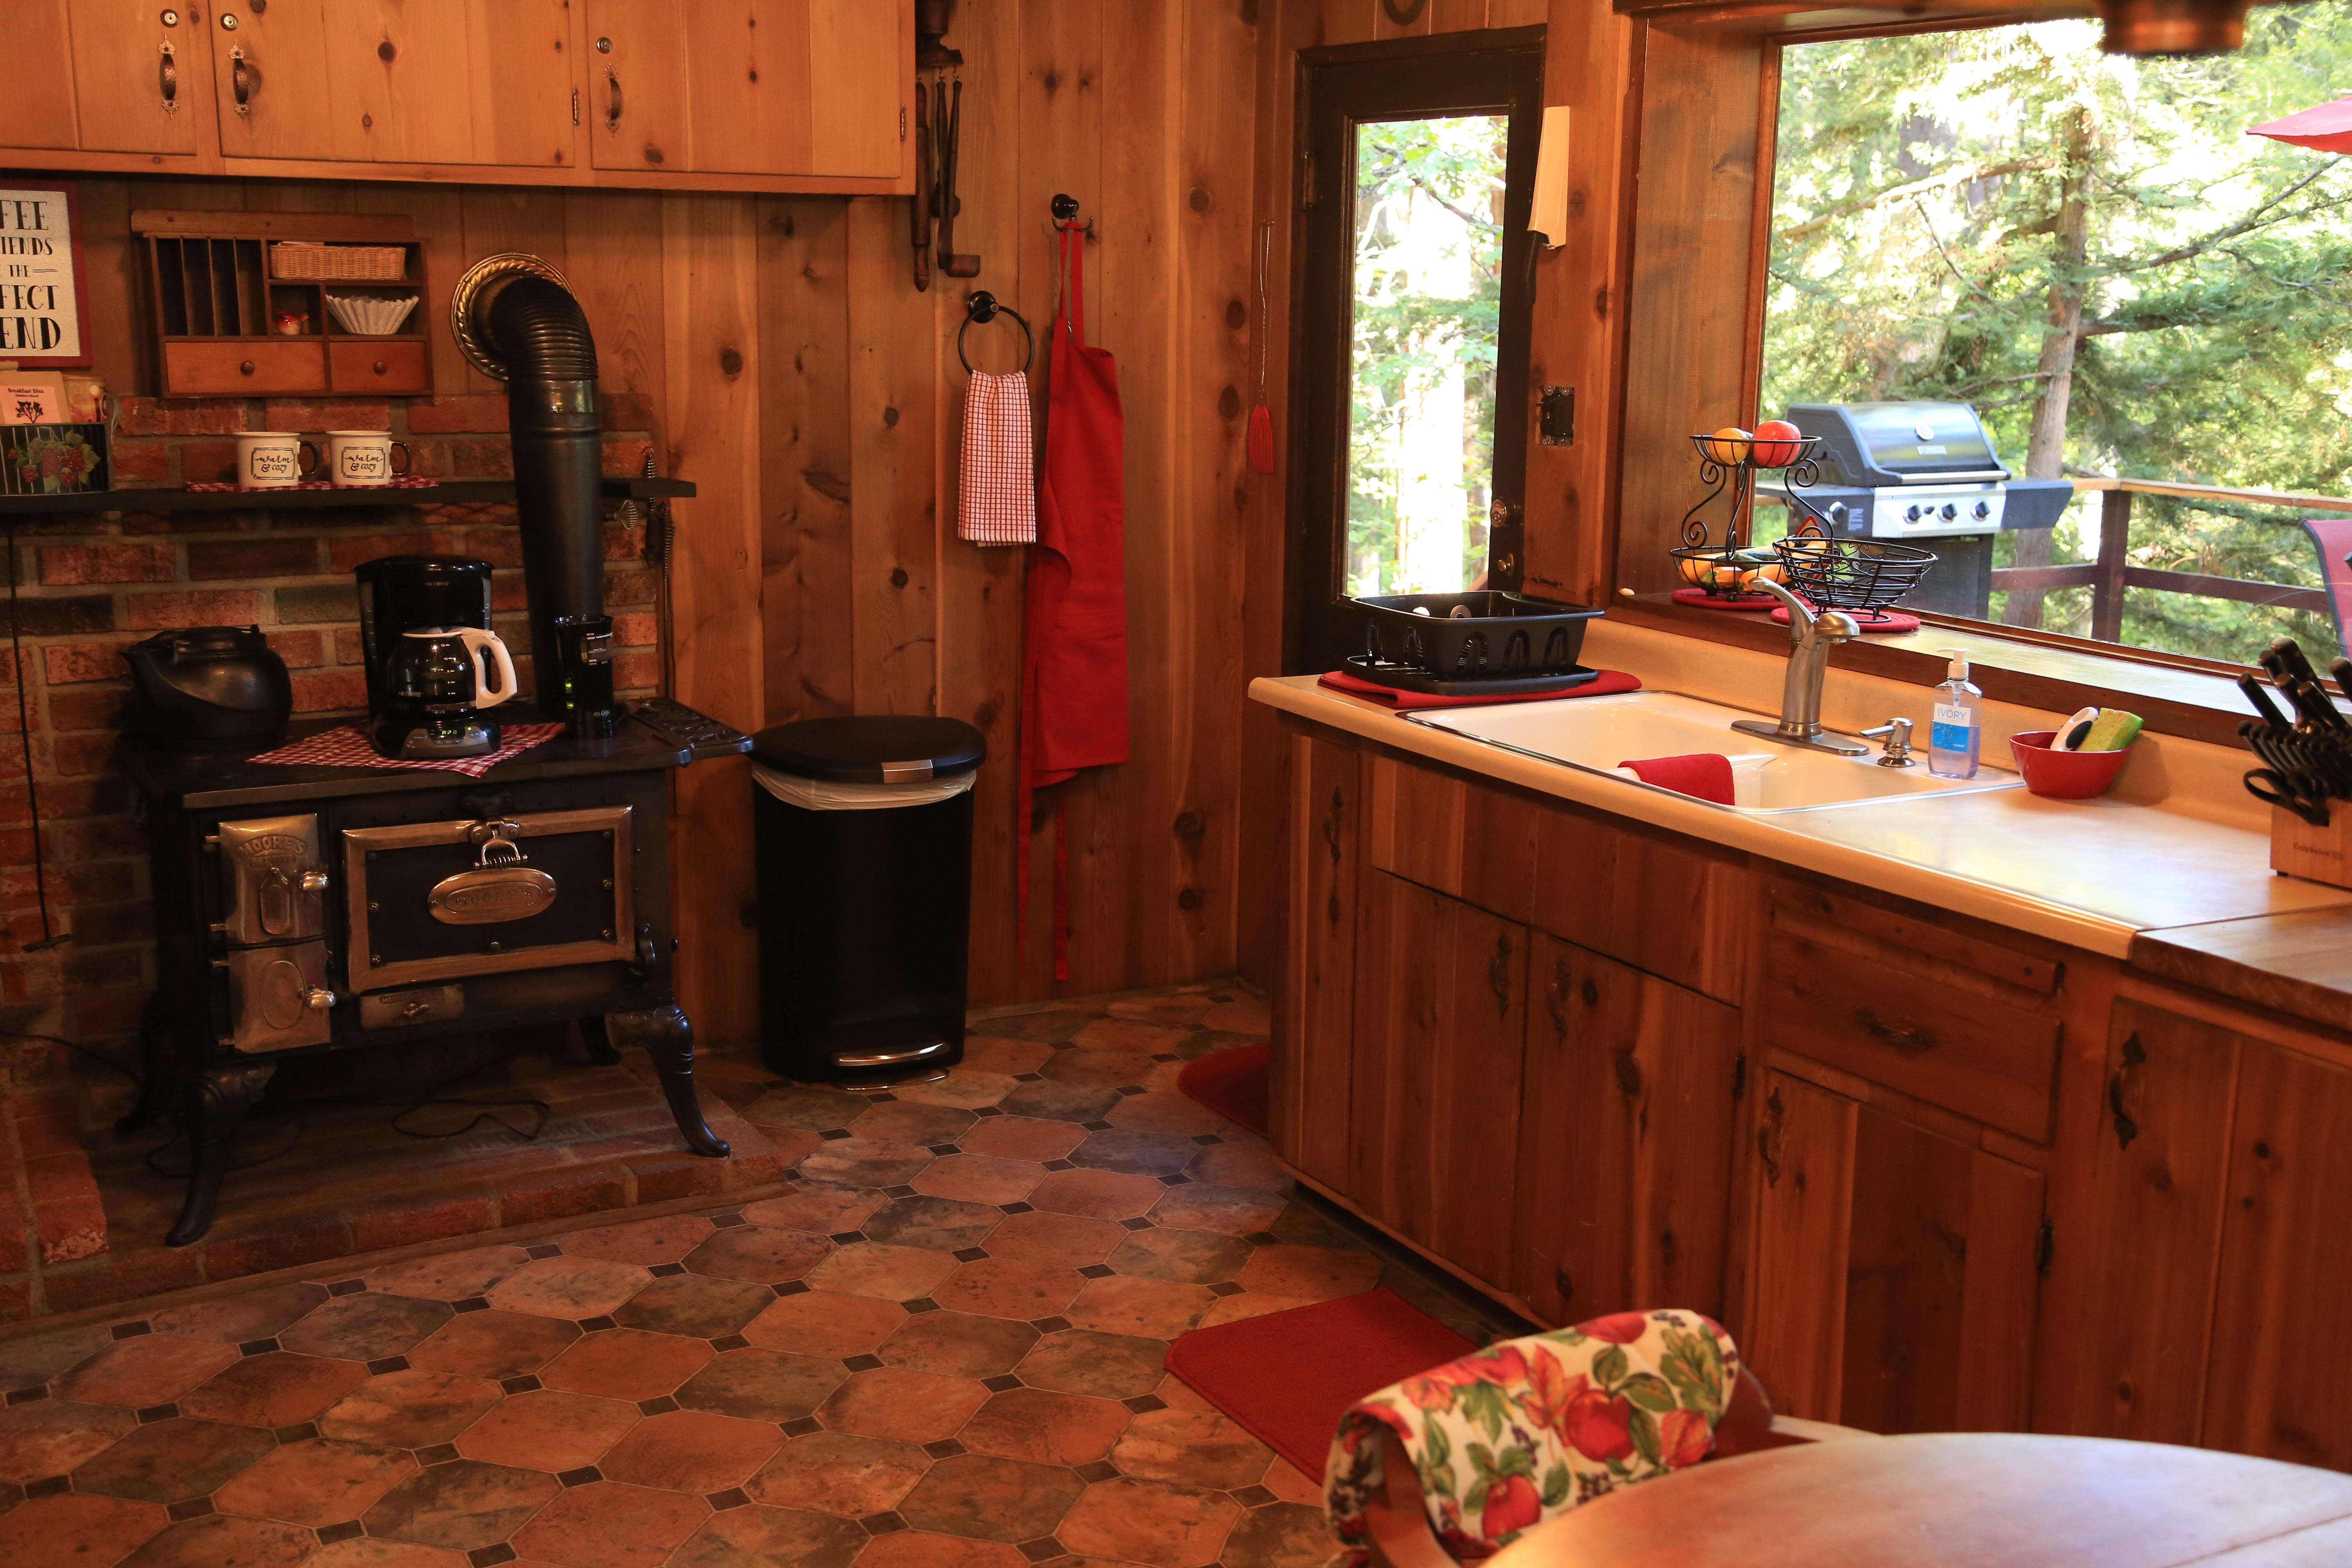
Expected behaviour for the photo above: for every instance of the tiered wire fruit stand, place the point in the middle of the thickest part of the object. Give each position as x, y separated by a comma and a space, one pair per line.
1864, 578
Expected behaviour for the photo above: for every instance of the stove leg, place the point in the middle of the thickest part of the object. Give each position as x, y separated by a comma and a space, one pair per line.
668, 1038
218, 1101
601, 1049
159, 1043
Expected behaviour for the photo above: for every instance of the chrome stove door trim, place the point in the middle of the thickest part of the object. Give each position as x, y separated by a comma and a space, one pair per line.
364, 974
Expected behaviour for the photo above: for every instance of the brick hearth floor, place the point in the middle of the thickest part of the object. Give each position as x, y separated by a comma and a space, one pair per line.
941, 1347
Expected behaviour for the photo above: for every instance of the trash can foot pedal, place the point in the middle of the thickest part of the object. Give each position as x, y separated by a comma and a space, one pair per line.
689, 731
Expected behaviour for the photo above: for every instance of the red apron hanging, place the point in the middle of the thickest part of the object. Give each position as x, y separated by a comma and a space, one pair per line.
1074, 630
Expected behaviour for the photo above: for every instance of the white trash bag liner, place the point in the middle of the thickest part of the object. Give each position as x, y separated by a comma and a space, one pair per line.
823, 794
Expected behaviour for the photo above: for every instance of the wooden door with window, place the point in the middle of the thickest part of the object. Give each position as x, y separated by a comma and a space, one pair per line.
1417, 171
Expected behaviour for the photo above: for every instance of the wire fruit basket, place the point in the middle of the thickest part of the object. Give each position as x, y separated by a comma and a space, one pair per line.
1866, 574
1726, 570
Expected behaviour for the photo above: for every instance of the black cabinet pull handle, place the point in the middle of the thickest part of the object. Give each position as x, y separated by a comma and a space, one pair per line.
1498, 976
613, 102
1911, 1042
2134, 1054
241, 81
168, 77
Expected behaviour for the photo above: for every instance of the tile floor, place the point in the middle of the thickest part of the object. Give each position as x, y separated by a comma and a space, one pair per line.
942, 1346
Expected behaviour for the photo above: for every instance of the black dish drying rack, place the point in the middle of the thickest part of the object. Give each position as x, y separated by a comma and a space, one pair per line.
1486, 641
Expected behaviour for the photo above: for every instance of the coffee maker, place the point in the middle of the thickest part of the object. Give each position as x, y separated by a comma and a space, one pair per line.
403, 592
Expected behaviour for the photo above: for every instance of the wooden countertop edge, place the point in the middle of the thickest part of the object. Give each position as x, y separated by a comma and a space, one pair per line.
2261, 960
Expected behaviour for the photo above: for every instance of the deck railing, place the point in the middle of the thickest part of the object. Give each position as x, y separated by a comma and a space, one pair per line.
2112, 572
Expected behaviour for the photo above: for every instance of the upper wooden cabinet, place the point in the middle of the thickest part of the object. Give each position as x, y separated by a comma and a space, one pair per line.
805, 95
753, 86
137, 83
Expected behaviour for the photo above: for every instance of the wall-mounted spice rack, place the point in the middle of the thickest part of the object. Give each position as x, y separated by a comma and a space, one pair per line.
217, 299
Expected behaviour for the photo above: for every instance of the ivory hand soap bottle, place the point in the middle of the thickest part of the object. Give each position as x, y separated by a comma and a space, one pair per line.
1953, 736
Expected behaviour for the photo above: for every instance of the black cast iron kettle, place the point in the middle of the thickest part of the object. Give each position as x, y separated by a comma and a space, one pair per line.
209, 688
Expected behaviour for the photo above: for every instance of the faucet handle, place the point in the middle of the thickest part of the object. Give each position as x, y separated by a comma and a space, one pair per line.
1896, 738
1836, 626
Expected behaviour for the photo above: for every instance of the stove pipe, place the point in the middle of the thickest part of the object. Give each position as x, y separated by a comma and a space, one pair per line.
516, 321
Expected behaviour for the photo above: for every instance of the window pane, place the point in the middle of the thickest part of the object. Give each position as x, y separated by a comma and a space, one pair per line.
2092, 253
1427, 292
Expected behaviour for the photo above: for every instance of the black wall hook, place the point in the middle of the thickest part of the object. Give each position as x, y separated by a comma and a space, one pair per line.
1066, 212
983, 308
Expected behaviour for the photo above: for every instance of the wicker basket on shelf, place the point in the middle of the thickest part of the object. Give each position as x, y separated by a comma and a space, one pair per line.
356, 263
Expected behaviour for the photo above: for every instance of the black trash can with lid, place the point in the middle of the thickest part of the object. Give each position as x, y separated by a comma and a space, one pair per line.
863, 830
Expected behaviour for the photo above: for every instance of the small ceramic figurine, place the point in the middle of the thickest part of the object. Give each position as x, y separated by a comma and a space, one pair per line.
293, 323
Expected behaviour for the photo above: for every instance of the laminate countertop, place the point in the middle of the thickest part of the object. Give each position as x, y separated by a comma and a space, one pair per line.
2157, 887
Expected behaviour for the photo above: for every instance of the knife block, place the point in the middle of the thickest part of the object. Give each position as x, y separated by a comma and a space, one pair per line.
2314, 854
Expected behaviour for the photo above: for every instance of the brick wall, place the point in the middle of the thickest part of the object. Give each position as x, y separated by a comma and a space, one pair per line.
93, 583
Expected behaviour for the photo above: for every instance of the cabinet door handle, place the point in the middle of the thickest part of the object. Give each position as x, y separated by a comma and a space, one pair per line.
168, 79
2134, 1054
1498, 976
575, 106
1911, 1042
613, 102
241, 81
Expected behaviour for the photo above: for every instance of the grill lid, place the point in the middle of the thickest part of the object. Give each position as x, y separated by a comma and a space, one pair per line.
1894, 443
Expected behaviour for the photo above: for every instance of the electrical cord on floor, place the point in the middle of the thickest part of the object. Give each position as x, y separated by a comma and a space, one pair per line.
432, 1096
101, 1058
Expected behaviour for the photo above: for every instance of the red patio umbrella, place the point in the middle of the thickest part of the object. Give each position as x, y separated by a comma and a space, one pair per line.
2327, 128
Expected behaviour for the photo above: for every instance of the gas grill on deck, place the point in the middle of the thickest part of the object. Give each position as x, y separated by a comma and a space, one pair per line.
1922, 472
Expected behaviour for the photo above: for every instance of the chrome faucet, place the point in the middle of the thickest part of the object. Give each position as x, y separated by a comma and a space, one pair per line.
1811, 634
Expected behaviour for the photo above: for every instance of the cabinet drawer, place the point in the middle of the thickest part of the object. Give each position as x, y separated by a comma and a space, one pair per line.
388, 367
243, 369
1663, 904
1932, 1036
1468, 841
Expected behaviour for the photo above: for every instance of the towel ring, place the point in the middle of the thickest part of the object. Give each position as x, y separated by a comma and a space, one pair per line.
983, 308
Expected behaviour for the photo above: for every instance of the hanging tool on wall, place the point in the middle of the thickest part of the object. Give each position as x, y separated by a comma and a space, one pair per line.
939, 125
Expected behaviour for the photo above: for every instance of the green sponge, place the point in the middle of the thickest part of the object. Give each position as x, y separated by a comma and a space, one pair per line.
2112, 731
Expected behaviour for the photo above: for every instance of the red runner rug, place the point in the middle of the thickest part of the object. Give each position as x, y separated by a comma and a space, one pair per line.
1286, 1377
1232, 1083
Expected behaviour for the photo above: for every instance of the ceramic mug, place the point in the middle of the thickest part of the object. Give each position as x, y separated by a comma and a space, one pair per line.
273, 460
358, 459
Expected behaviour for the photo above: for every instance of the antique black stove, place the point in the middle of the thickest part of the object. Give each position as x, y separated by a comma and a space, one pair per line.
304, 909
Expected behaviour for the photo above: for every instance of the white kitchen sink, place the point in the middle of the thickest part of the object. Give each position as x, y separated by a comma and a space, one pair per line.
1596, 733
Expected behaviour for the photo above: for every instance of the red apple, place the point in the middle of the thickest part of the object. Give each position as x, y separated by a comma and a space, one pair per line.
1778, 443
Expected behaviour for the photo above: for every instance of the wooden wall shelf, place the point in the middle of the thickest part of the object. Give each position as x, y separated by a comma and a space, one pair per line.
215, 288
458, 492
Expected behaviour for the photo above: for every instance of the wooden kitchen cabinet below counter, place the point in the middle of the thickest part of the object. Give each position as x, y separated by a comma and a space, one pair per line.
1931, 1172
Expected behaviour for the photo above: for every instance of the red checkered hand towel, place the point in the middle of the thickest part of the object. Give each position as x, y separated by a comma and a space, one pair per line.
999, 473
348, 747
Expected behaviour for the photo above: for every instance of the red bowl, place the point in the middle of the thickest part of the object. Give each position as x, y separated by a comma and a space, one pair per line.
2063, 776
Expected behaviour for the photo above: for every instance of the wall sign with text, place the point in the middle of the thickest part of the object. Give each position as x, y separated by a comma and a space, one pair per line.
40, 278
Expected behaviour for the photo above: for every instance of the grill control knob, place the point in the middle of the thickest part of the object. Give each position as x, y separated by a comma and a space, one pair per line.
319, 997
1984, 509
315, 881
1911, 514
1950, 512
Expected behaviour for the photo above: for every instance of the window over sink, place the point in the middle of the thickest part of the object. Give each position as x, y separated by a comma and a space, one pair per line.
2129, 290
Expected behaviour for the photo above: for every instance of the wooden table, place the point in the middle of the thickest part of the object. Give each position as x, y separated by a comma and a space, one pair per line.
1962, 1500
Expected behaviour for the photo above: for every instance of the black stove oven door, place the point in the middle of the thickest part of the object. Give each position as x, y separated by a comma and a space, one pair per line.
438, 900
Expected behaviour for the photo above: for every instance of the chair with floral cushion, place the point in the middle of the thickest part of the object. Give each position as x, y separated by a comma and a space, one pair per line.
1484, 1448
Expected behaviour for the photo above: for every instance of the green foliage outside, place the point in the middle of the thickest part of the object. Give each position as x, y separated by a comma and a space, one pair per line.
1447, 174
1921, 219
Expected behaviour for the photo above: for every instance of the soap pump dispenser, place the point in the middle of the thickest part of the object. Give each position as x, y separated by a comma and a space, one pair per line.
1954, 737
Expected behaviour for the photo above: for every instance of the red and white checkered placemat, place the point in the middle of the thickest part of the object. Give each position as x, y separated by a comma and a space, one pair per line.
998, 504
348, 747
405, 482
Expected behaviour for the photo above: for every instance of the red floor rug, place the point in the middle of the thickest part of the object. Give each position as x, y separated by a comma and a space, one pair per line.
1232, 1083
1287, 1376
